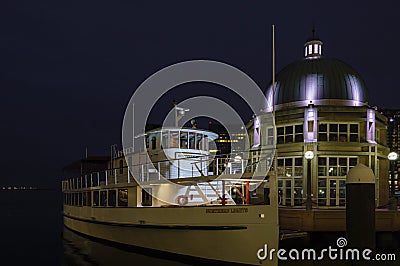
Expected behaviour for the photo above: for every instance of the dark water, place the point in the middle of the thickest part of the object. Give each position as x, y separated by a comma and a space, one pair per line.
30, 228
32, 233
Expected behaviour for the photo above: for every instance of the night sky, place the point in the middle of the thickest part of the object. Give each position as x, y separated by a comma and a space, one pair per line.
68, 68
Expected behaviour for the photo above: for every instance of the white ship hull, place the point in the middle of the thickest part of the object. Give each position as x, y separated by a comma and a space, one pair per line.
232, 234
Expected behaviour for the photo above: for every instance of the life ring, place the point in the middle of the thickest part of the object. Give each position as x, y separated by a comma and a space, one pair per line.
182, 200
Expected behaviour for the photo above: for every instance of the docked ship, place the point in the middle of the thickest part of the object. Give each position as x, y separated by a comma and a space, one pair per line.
219, 208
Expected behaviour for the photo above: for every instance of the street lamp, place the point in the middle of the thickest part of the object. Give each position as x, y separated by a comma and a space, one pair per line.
309, 155
392, 201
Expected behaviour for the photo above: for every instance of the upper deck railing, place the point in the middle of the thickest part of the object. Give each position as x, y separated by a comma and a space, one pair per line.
228, 165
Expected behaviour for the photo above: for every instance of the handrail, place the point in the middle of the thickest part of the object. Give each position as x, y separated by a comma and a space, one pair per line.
234, 163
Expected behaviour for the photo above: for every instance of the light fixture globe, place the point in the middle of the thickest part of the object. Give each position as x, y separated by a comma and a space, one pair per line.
393, 156
309, 155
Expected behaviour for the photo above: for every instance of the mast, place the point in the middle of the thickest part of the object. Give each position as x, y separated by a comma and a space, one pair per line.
273, 71
273, 111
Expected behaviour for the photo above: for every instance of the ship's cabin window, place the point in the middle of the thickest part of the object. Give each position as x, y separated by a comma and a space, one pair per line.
88, 198
146, 197
122, 197
153, 143
184, 140
96, 198
121, 167
103, 198
112, 198
83, 199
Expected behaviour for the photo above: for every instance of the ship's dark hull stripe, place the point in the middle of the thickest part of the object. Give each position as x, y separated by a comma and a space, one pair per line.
165, 255
153, 226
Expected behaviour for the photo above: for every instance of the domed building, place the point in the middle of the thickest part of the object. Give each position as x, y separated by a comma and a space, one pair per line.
320, 105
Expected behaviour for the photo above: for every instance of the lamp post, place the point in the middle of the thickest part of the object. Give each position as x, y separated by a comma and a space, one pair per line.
392, 200
309, 155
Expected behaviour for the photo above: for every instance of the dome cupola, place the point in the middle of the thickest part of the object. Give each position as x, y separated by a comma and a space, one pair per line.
317, 80
313, 47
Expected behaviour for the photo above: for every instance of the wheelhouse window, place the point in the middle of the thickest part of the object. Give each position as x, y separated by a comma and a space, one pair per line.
164, 141
122, 197
174, 139
199, 138
184, 140
192, 140
205, 143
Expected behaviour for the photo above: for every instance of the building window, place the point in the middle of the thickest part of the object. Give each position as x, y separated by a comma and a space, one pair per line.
111, 198
122, 197
315, 48
270, 136
290, 134
290, 181
332, 173
338, 132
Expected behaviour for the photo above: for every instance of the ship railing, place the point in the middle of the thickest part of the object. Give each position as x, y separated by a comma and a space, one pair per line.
188, 167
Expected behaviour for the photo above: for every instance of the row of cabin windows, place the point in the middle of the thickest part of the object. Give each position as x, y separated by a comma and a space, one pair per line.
326, 132
179, 139
98, 198
105, 198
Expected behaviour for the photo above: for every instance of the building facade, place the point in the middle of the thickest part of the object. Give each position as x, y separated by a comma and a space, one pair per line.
321, 105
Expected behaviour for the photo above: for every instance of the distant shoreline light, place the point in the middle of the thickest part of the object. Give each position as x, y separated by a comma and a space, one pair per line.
18, 188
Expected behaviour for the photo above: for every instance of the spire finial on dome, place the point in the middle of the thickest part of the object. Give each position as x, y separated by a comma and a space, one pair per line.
313, 46
313, 30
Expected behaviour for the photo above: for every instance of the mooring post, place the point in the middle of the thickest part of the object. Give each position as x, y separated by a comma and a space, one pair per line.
360, 208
